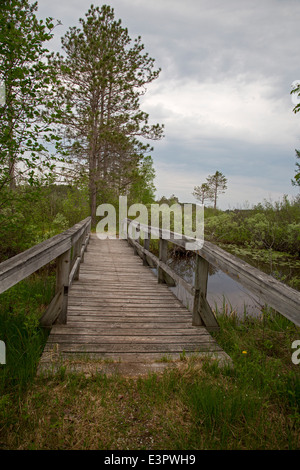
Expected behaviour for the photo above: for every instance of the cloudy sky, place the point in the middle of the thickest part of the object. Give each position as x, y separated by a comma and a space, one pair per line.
223, 93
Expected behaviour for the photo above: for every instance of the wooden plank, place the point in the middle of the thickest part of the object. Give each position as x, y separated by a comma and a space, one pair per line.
129, 330
111, 324
48, 359
163, 256
136, 348
164, 268
90, 301
119, 310
62, 283
123, 309
146, 248
74, 270
202, 313
132, 341
53, 310
128, 322
131, 313
22, 265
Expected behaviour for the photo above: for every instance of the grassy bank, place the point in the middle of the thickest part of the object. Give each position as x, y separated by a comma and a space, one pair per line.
197, 405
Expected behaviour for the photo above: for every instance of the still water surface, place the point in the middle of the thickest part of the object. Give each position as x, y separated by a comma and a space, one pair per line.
220, 289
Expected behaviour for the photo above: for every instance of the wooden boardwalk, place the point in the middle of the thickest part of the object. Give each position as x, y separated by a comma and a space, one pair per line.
118, 313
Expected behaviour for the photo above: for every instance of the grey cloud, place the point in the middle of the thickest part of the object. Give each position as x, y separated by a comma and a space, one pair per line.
212, 41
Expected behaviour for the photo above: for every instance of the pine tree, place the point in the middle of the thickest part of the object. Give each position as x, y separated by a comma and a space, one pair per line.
102, 78
203, 192
217, 184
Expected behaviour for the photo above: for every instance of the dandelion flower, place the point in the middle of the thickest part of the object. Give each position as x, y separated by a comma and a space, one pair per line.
244, 352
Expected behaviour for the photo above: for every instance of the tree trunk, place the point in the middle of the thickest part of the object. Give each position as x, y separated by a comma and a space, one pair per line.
92, 187
12, 178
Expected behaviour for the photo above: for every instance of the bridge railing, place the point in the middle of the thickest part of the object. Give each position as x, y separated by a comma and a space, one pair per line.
67, 249
272, 292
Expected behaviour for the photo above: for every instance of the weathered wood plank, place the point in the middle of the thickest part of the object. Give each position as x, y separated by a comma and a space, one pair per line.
202, 313
131, 314
62, 283
119, 309
127, 332
53, 310
192, 340
164, 348
22, 265
110, 325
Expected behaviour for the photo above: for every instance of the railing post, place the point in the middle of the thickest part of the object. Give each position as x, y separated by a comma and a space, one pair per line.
202, 313
163, 256
146, 246
77, 251
62, 283
83, 244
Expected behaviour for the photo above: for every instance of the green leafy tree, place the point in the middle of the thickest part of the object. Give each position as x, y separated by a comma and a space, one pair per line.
102, 76
142, 189
170, 201
27, 109
25, 114
217, 184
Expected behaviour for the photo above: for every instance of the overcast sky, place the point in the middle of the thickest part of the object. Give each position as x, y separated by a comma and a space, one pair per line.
223, 93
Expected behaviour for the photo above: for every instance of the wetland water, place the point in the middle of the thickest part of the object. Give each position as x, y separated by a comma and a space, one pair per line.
221, 289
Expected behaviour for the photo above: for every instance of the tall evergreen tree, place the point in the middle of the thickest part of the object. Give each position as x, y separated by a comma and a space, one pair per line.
217, 184
203, 192
102, 78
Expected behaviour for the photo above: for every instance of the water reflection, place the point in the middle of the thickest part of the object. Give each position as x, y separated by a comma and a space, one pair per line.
221, 289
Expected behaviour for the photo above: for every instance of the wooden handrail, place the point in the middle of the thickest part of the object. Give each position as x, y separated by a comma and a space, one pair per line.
274, 293
67, 249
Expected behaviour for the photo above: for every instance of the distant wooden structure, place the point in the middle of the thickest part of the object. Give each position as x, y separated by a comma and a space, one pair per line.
109, 305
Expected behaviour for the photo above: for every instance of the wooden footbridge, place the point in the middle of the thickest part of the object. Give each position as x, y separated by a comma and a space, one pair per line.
111, 308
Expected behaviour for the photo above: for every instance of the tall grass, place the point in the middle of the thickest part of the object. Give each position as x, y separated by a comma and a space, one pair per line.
20, 309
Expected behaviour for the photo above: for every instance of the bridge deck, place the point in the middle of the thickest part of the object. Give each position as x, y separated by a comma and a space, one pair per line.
118, 312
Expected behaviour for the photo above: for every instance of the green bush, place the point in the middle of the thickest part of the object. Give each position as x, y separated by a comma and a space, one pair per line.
268, 226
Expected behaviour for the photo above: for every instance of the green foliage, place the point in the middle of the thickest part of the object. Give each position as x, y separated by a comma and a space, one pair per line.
26, 129
170, 201
39, 213
27, 118
142, 189
273, 226
20, 309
